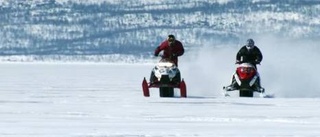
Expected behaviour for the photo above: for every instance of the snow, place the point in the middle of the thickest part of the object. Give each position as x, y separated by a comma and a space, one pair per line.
72, 96
105, 100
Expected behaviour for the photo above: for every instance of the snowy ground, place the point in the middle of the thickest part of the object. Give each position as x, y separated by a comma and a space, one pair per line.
103, 100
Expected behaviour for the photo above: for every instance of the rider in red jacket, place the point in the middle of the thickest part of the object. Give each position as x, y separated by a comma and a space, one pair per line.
171, 47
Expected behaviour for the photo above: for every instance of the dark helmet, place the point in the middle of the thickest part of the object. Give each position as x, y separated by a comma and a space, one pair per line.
250, 43
171, 38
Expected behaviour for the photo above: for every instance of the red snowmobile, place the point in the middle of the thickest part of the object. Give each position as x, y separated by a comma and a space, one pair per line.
245, 79
165, 76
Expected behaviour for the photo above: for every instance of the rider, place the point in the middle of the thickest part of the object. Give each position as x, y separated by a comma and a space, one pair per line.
171, 47
249, 53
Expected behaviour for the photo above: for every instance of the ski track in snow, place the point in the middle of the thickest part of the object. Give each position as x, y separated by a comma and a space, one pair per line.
101, 100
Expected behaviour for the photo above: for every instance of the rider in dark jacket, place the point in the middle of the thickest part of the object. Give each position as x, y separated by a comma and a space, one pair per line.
249, 53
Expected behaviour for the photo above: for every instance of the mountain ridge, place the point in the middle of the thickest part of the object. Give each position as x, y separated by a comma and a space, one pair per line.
52, 27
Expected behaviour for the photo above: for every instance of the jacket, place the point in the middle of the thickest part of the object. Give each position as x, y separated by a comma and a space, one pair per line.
172, 52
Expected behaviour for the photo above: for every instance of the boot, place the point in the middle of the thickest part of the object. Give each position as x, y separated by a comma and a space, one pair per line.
258, 86
232, 86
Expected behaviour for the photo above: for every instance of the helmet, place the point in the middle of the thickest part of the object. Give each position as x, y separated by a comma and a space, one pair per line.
250, 43
171, 38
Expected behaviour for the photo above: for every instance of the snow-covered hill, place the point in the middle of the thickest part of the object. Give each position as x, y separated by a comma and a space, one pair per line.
134, 28
93, 100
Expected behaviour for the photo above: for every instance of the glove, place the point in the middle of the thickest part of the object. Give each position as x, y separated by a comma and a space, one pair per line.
156, 55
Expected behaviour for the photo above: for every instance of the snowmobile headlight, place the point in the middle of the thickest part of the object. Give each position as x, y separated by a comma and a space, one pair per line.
161, 71
245, 70
242, 69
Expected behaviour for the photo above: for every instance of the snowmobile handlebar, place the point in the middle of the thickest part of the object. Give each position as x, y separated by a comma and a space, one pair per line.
255, 63
162, 56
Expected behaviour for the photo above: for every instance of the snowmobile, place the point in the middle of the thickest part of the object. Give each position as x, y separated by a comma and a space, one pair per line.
165, 76
245, 79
